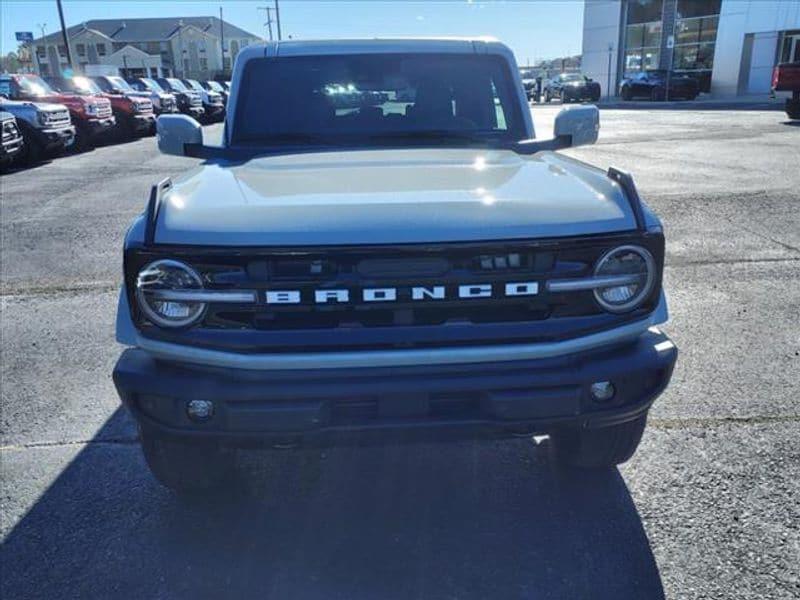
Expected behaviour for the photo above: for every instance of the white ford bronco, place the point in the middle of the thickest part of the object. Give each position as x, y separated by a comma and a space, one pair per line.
380, 250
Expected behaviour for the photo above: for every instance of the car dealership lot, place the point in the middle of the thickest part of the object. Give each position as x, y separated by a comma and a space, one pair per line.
707, 507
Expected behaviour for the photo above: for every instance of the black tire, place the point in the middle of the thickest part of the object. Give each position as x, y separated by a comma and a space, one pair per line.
626, 94
793, 109
547, 97
32, 152
657, 94
187, 469
598, 448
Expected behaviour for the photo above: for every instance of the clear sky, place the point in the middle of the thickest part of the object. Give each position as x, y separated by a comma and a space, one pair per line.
535, 29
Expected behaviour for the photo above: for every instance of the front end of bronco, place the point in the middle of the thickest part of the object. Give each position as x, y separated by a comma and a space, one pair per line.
425, 292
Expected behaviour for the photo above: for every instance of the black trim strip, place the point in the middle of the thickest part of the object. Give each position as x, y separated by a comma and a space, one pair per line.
153, 208
625, 180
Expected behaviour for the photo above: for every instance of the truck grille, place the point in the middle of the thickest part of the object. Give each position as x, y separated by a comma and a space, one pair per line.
10, 130
405, 320
59, 118
144, 107
104, 110
195, 101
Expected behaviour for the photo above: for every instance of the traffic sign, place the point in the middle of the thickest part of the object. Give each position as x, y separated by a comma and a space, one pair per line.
24, 36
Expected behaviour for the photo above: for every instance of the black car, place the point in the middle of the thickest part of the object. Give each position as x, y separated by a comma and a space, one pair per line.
654, 85
572, 87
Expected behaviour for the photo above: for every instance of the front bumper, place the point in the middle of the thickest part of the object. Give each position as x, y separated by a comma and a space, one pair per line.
53, 139
432, 402
97, 127
193, 111
581, 93
142, 123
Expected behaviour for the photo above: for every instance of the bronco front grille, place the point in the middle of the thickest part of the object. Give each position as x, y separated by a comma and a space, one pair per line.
442, 314
10, 131
59, 118
104, 111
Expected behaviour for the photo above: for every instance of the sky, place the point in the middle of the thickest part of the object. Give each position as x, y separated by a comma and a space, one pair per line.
534, 29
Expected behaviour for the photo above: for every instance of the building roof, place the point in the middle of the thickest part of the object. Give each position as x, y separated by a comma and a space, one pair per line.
148, 29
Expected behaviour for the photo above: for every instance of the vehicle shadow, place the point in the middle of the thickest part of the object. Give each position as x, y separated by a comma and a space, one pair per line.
471, 520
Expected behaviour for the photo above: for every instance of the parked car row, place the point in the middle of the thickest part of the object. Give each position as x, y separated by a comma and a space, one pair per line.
43, 116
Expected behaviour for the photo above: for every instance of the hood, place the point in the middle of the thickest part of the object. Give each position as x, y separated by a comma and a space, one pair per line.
43, 106
391, 196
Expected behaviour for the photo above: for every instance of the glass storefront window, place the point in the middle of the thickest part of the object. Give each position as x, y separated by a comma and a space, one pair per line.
642, 59
693, 57
697, 8
644, 11
692, 31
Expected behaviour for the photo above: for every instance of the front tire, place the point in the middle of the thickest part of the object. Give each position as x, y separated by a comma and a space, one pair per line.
598, 448
627, 95
187, 469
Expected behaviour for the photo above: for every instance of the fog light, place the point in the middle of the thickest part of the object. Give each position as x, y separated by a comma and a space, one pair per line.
199, 410
603, 391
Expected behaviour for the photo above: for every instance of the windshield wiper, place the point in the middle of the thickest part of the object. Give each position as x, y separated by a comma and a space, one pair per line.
300, 138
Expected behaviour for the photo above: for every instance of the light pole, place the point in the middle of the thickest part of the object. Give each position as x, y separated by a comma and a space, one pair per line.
278, 19
608, 86
64, 35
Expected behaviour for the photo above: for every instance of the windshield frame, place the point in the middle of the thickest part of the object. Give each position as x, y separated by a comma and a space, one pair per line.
516, 130
152, 85
48, 90
176, 83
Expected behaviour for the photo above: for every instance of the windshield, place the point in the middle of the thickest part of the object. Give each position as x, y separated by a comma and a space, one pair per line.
33, 85
151, 85
177, 84
120, 84
84, 85
215, 86
370, 99
195, 85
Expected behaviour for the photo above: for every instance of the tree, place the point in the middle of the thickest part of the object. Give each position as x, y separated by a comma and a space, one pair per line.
10, 63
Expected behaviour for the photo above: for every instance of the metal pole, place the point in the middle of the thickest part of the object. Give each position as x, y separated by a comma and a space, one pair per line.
222, 39
64, 35
608, 88
278, 19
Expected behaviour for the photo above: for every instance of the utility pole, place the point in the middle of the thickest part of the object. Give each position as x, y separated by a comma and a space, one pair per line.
268, 10
278, 19
64, 35
222, 39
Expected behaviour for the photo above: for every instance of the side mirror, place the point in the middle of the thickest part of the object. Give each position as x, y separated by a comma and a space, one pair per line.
578, 124
175, 132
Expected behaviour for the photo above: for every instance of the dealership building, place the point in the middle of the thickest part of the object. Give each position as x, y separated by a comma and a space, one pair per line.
730, 46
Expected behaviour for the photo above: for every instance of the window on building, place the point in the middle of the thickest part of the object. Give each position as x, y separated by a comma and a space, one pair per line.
642, 46
153, 47
101, 49
244, 43
41, 52
185, 66
62, 50
204, 64
697, 8
80, 49
644, 11
695, 38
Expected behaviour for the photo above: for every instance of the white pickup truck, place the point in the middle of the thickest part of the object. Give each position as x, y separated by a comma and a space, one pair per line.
381, 250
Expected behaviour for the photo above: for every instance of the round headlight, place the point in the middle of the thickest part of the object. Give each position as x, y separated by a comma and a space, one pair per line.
159, 290
631, 273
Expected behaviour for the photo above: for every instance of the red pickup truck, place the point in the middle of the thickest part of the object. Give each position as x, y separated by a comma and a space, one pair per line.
91, 115
786, 78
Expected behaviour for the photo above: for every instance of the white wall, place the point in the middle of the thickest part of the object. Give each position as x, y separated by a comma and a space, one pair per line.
601, 20
737, 19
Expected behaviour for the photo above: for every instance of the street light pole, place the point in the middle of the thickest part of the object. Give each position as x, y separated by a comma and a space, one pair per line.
222, 40
64, 35
278, 19
608, 87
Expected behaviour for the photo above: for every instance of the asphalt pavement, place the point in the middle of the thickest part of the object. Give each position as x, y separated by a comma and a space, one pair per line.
709, 507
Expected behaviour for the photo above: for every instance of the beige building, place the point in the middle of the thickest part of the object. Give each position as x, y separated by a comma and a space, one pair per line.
158, 47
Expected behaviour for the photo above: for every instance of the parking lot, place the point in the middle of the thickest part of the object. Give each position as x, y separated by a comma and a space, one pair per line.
707, 508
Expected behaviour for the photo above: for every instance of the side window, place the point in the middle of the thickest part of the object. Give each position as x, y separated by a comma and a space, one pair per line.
5, 87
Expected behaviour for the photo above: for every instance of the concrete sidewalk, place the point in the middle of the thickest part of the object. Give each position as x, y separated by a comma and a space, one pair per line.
760, 102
